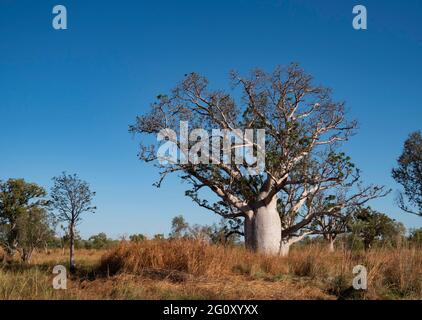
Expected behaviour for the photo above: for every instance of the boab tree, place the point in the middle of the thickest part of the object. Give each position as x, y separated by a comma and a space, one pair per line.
303, 129
335, 209
319, 196
71, 197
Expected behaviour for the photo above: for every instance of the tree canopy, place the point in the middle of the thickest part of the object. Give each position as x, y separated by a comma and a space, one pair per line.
409, 174
24, 221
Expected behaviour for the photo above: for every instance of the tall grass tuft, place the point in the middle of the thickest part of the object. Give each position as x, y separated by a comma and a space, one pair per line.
192, 258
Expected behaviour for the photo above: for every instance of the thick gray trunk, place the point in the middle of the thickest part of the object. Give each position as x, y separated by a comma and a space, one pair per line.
288, 240
267, 229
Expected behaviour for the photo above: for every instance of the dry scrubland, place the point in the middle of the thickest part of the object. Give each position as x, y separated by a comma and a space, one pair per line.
193, 270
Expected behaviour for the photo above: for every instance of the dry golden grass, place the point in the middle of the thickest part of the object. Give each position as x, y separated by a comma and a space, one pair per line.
194, 270
58, 256
392, 273
189, 258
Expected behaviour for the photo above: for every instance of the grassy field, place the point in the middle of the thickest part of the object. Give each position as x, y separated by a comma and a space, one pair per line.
193, 270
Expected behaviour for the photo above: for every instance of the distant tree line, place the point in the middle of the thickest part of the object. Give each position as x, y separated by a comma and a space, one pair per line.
225, 232
99, 241
365, 229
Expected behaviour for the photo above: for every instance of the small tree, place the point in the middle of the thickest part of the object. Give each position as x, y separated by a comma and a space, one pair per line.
179, 228
226, 232
137, 237
100, 241
23, 219
159, 237
409, 175
71, 197
330, 227
336, 214
415, 237
36, 228
370, 225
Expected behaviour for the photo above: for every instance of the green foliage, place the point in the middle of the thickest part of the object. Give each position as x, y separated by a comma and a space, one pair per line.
35, 230
369, 226
415, 237
226, 232
24, 221
409, 174
179, 228
100, 241
96, 242
159, 236
137, 237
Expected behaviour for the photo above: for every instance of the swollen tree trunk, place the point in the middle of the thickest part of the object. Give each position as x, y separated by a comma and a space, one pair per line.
267, 228
72, 247
330, 242
331, 245
285, 248
288, 240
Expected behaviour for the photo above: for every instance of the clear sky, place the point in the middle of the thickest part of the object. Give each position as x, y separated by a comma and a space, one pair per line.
67, 97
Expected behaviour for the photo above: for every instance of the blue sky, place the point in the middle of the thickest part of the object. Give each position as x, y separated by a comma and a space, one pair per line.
67, 97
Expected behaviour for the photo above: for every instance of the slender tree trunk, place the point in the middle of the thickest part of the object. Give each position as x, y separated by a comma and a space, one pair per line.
367, 244
267, 228
330, 242
331, 245
27, 255
285, 248
12, 242
72, 247
11, 252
